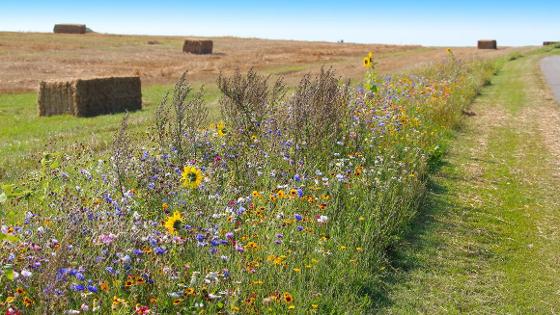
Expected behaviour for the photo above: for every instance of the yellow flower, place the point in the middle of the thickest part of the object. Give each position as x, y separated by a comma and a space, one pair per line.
27, 301
367, 62
173, 223
281, 194
189, 292
288, 297
221, 128
293, 193
191, 177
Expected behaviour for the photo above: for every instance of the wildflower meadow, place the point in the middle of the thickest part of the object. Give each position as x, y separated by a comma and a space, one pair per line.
285, 204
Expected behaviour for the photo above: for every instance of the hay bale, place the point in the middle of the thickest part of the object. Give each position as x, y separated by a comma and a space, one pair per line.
153, 42
90, 97
70, 28
487, 44
550, 43
199, 47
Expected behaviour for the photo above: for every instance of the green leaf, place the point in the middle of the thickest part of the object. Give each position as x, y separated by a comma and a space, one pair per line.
3, 197
9, 238
9, 272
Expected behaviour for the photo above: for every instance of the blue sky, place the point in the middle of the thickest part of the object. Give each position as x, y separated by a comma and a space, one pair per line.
434, 22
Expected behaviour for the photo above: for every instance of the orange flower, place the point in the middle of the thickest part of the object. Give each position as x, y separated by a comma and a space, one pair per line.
27, 301
104, 286
288, 297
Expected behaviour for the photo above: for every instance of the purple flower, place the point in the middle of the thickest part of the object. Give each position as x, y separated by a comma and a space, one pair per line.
300, 228
92, 289
77, 287
159, 250
298, 217
80, 276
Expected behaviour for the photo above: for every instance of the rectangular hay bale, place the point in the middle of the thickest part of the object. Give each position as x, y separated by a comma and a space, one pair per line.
90, 97
487, 44
70, 28
199, 47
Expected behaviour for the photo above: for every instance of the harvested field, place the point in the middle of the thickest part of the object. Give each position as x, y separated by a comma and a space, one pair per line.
28, 58
91, 97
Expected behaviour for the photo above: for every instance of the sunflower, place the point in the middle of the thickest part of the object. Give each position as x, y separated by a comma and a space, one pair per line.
367, 62
191, 177
221, 128
173, 223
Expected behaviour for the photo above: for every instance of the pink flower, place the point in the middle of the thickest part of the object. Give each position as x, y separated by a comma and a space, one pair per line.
106, 239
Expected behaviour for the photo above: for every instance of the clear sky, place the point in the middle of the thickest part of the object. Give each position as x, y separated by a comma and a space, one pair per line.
433, 22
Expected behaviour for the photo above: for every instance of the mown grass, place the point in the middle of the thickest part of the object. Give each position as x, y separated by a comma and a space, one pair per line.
486, 241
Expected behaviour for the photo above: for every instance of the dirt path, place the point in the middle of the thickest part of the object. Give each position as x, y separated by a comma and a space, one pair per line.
489, 239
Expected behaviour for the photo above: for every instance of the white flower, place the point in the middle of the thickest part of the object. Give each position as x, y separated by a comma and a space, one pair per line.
211, 277
26, 273
323, 219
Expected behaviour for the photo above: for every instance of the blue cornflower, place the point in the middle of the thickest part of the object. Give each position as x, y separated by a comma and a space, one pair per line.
77, 287
92, 289
159, 250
